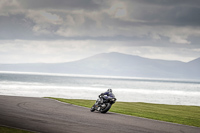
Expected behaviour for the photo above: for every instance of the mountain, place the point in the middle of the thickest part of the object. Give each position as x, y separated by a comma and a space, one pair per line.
193, 67
115, 64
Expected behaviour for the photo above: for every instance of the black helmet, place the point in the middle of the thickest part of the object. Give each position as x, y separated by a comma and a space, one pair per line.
109, 90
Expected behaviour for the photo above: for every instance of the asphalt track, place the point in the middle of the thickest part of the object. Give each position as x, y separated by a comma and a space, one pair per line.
50, 116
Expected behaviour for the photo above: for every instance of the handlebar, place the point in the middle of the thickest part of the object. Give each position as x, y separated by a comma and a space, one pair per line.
101, 95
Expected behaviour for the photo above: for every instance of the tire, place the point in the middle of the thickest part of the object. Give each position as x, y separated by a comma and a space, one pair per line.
92, 109
106, 109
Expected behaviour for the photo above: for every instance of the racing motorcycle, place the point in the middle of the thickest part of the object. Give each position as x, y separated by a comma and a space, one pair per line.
103, 104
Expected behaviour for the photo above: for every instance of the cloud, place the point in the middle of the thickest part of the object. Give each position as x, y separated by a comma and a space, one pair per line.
88, 5
93, 19
178, 39
121, 26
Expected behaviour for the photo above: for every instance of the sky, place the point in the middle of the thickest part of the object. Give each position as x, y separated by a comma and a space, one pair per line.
52, 31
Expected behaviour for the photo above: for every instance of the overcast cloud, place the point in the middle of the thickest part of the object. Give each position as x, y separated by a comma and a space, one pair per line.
66, 30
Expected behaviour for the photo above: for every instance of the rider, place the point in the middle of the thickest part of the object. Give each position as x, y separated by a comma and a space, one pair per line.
108, 93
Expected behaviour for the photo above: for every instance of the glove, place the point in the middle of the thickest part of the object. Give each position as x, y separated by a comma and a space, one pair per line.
101, 95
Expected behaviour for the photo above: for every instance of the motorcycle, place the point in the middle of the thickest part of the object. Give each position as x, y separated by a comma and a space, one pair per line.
103, 104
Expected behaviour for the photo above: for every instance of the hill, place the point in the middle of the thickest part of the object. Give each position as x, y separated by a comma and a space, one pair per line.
115, 64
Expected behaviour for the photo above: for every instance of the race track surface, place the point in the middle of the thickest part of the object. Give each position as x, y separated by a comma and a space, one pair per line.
50, 116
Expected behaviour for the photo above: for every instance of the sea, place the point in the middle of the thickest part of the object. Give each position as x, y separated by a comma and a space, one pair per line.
126, 89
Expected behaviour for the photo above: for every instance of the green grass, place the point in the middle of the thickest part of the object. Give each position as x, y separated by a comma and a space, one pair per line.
187, 115
12, 130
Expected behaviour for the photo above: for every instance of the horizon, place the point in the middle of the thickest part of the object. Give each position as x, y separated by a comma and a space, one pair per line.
150, 79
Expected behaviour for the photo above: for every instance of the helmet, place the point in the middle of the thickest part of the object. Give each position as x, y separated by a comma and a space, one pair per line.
109, 90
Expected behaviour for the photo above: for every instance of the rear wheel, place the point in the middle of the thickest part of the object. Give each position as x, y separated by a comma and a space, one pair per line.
108, 106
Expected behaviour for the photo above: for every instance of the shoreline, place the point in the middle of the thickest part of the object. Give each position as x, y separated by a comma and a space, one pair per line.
125, 90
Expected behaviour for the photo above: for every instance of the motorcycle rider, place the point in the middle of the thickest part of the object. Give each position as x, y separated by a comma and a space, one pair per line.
106, 95
105, 101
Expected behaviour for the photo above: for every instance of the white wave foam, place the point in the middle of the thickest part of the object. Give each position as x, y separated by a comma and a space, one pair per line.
140, 91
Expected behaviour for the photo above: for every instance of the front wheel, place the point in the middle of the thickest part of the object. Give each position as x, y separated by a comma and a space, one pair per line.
106, 109
92, 109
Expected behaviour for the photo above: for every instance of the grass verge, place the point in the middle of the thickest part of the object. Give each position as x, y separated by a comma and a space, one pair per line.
4, 129
187, 115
